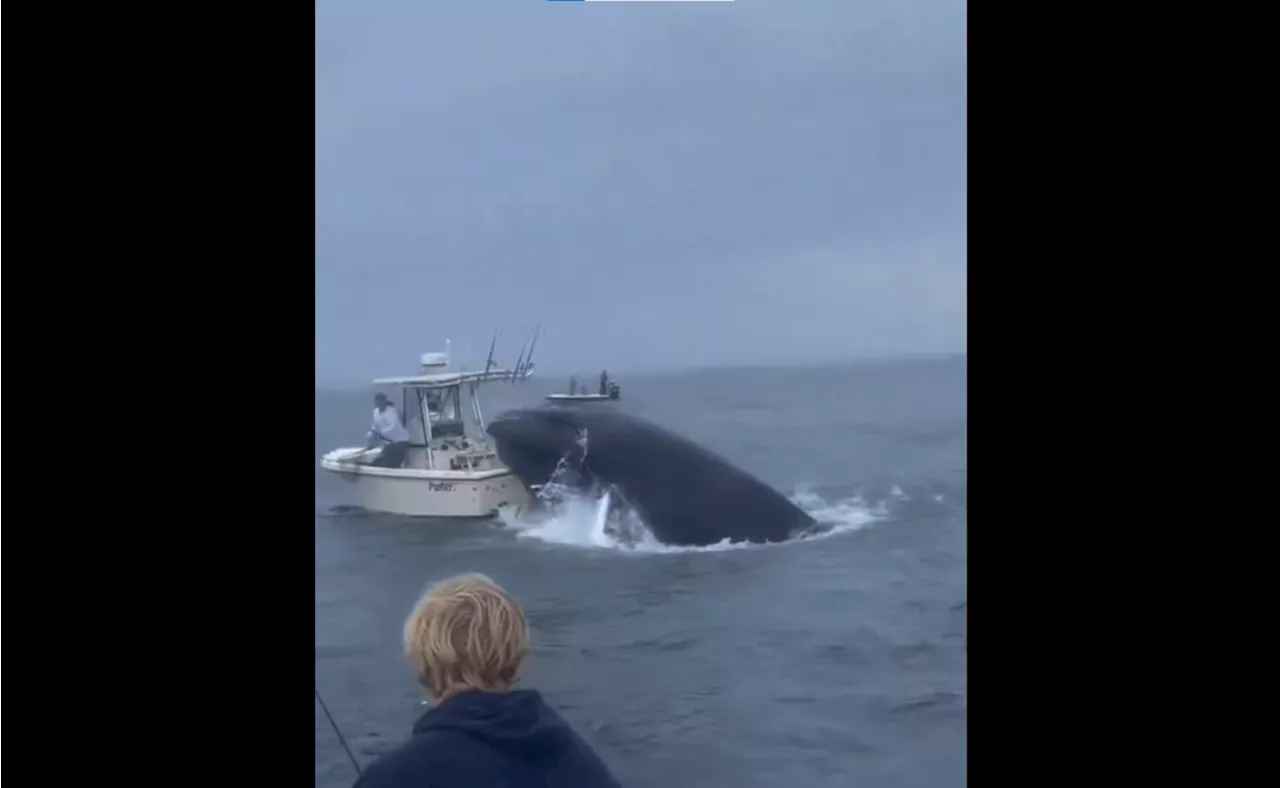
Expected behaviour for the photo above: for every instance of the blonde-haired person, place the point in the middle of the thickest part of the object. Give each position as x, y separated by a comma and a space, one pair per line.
466, 639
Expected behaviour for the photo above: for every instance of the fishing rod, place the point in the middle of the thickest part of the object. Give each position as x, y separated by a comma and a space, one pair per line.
488, 364
519, 360
528, 362
341, 738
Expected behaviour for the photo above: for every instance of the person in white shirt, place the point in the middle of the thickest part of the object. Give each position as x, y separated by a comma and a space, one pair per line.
387, 429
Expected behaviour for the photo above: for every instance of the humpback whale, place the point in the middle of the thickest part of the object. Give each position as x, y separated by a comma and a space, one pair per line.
684, 493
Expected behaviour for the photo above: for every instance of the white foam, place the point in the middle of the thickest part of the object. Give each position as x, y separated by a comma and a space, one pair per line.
580, 521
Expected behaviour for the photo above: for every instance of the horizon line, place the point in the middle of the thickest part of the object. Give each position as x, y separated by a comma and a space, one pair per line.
347, 384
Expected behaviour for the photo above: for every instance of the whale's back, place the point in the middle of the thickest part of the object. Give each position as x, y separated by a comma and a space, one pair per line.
686, 493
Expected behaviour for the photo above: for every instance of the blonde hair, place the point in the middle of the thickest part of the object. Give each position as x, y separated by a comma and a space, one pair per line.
466, 633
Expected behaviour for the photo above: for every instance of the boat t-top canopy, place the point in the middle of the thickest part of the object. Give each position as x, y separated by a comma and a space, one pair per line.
435, 405
447, 380
434, 402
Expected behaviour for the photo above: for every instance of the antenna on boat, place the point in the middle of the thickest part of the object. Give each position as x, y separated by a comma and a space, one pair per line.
341, 738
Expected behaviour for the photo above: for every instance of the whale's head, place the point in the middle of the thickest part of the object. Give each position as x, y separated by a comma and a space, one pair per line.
535, 442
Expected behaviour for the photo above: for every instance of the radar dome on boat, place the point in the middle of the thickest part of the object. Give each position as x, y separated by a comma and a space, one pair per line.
436, 360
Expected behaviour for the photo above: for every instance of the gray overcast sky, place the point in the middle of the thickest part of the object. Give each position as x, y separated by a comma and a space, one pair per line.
660, 185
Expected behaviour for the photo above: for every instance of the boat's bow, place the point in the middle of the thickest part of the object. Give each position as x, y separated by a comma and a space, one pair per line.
347, 459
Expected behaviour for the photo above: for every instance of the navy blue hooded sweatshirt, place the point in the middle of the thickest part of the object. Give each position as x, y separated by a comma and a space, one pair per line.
491, 740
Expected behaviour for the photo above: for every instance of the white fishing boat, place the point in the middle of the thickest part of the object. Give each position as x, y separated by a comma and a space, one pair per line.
609, 390
579, 397
451, 469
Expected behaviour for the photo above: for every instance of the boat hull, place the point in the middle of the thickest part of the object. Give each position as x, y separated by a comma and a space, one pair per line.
579, 398
414, 492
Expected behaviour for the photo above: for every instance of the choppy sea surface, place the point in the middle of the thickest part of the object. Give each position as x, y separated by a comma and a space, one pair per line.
839, 661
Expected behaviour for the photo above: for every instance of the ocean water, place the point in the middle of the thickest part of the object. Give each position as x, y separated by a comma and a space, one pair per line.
833, 662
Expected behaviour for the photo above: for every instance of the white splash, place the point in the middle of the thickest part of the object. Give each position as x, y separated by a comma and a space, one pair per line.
577, 520
567, 516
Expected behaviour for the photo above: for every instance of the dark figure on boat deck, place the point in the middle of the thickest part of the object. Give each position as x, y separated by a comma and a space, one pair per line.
466, 639
387, 429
